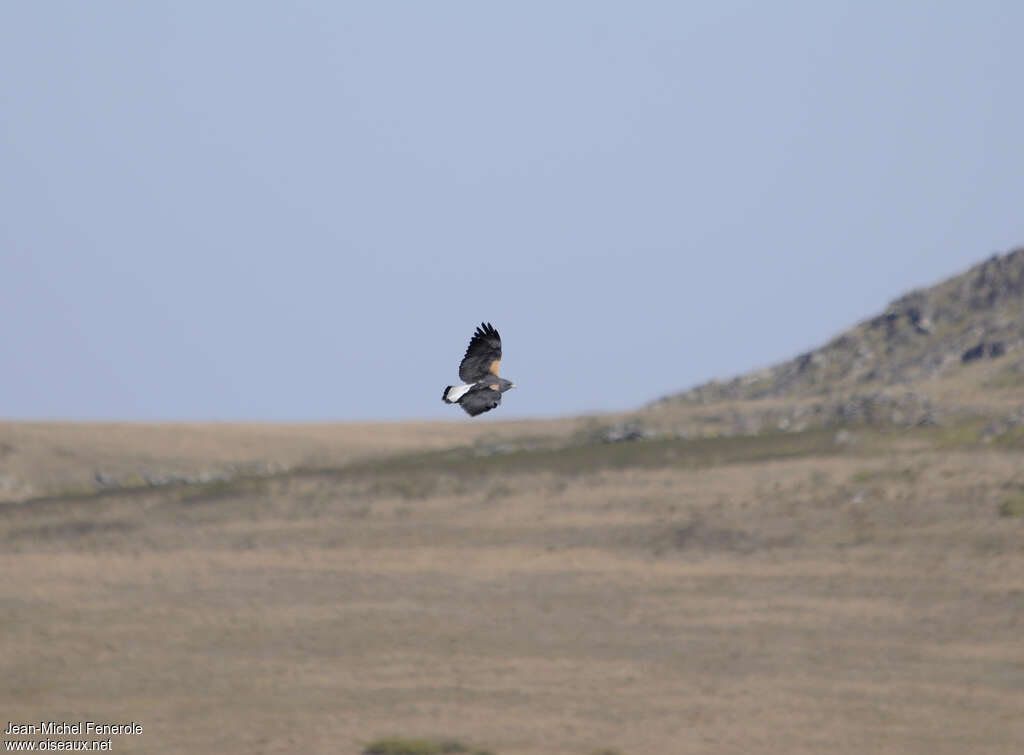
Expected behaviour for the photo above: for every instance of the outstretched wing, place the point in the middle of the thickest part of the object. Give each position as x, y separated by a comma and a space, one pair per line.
483, 357
480, 400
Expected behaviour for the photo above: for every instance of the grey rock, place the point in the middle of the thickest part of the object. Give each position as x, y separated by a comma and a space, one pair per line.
621, 433
106, 481
990, 349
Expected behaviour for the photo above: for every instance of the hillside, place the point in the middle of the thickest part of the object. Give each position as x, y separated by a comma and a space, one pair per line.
946, 355
925, 334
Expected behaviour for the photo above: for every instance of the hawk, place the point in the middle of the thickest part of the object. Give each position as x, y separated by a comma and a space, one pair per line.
479, 371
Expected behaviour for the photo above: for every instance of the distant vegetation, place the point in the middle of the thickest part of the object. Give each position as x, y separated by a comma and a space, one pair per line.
420, 747
1013, 506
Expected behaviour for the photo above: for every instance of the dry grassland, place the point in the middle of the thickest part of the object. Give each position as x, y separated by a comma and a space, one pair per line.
779, 594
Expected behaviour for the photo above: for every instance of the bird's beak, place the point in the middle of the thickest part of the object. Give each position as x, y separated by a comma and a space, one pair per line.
512, 386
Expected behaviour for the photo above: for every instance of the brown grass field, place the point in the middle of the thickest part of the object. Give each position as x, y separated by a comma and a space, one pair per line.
783, 593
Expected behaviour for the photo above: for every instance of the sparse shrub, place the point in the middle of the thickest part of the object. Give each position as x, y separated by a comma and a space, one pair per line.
403, 747
396, 746
905, 474
1012, 506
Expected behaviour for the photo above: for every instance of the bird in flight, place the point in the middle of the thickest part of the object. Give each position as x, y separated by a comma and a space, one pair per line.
482, 387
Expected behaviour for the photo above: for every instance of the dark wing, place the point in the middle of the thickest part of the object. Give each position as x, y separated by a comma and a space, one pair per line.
483, 356
480, 400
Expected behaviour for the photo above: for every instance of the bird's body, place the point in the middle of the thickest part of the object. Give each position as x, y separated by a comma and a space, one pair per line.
482, 388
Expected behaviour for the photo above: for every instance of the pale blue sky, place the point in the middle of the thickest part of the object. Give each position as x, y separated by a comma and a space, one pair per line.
300, 211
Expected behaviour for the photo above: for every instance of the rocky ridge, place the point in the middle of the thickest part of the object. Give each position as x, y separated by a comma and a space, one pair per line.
978, 315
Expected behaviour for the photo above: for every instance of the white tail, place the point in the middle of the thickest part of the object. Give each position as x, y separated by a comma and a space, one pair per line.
454, 392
